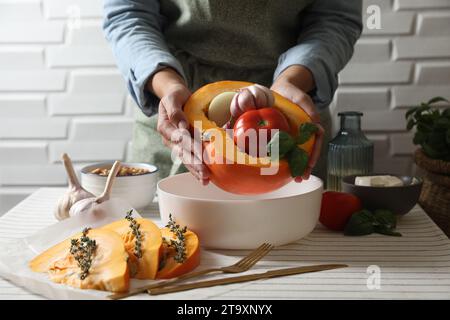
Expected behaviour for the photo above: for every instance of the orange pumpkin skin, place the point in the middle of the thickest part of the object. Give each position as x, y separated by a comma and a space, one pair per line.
171, 268
241, 177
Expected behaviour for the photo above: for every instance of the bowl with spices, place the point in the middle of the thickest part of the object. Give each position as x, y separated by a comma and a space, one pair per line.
135, 182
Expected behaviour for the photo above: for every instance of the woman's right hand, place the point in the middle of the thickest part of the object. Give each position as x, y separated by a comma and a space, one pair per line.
173, 127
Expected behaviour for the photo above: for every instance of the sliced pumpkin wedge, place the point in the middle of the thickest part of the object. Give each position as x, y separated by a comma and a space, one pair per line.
170, 268
108, 271
146, 266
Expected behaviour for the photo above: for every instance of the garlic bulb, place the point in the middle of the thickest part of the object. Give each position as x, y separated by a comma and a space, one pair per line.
85, 205
74, 193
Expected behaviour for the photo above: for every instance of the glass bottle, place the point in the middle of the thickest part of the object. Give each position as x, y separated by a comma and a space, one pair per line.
350, 152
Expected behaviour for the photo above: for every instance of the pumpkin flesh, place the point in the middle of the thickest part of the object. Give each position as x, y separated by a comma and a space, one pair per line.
171, 268
109, 270
146, 266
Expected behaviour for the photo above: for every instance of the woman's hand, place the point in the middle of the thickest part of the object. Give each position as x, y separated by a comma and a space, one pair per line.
172, 122
293, 83
252, 97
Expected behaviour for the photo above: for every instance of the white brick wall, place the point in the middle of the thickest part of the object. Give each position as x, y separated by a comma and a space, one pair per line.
61, 92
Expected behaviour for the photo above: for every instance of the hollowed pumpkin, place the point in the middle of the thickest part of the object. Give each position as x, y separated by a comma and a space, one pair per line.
243, 176
109, 270
146, 266
171, 268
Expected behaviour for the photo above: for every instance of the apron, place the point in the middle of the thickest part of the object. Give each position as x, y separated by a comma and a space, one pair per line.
193, 30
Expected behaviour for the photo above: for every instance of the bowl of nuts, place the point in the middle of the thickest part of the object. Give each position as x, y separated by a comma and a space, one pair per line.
135, 182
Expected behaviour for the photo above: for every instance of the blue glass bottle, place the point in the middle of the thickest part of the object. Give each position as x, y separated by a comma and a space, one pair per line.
350, 152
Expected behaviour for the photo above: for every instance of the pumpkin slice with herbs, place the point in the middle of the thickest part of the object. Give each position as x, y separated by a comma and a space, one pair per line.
93, 259
142, 240
179, 256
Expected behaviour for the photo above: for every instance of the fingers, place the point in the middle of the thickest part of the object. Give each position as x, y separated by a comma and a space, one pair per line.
173, 125
165, 127
172, 105
306, 103
300, 98
315, 154
298, 179
184, 149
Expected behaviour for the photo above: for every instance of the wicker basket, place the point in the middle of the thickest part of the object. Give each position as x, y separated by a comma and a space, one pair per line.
435, 195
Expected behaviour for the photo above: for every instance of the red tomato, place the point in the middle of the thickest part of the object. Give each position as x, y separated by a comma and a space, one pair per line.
337, 208
266, 118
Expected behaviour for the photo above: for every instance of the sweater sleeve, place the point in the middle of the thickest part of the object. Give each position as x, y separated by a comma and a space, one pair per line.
134, 30
329, 30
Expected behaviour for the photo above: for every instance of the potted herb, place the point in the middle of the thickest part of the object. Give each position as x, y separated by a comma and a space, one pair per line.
432, 134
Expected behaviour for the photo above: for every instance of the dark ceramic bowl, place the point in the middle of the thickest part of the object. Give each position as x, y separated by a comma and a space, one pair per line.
400, 200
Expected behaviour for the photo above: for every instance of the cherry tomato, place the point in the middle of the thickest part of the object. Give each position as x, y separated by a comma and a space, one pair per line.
337, 208
265, 118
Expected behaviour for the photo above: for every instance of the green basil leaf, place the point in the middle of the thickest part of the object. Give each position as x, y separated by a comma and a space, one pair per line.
305, 131
298, 161
442, 123
410, 112
437, 99
385, 218
419, 137
387, 231
437, 140
410, 124
430, 151
360, 223
446, 113
281, 141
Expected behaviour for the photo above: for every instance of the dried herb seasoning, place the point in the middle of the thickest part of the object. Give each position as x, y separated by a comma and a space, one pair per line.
179, 244
83, 251
135, 228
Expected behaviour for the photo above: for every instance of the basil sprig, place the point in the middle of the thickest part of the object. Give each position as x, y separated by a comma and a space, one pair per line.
432, 128
365, 222
288, 148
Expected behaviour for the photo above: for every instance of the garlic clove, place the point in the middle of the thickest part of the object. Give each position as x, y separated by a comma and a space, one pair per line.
74, 193
89, 204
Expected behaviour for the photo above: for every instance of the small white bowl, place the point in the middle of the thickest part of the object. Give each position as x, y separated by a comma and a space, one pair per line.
224, 220
138, 190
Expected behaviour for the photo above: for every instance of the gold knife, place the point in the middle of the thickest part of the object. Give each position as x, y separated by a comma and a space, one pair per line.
244, 278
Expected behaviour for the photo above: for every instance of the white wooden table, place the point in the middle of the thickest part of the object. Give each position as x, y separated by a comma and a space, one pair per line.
416, 265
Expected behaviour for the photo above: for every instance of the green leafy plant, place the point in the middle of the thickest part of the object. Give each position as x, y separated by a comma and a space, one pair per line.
365, 222
288, 147
432, 128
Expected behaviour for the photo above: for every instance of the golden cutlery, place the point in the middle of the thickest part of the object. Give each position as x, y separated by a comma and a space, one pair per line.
244, 278
241, 266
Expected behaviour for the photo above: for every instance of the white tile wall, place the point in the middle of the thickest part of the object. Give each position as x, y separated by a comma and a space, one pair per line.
61, 92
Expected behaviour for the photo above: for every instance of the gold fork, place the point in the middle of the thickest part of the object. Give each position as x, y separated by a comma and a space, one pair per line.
241, 266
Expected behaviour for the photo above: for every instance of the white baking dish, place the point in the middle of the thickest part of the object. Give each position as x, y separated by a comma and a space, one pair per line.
228, 221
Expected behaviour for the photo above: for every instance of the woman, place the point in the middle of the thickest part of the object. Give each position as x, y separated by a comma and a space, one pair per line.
168, 48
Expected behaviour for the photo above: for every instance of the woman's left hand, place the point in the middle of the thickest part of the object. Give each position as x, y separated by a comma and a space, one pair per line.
285, 87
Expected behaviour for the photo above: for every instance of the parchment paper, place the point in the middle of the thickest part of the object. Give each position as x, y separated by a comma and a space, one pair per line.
15, 255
